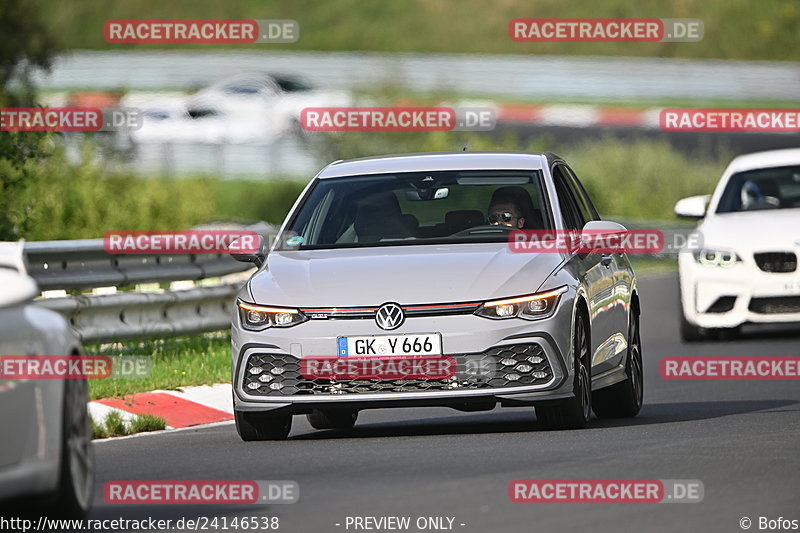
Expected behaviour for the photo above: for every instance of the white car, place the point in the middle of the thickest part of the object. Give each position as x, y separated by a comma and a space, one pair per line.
745, 269
178, 119
46, 456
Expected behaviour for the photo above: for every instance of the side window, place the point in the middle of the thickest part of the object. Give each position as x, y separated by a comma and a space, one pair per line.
566, 201
584, 202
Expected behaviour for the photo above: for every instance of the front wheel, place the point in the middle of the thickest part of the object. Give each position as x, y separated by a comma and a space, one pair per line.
75, 492
573, 413
690, 332
624, 399
262, 426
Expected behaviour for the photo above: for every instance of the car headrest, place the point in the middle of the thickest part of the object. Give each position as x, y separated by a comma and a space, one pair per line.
379, 217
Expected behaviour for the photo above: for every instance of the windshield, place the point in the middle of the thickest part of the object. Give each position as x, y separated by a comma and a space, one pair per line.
420, 208
767, 188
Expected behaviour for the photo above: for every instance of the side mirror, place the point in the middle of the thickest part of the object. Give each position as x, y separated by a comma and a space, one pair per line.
247, 253
693, 206
18, 288
595, 229
603, 226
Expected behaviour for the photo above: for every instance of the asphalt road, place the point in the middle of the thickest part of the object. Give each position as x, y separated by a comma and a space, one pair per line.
741, 439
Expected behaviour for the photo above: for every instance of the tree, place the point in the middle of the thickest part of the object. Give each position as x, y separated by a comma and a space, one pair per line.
26, 44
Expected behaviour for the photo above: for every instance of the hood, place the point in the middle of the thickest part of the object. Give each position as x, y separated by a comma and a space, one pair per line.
769, 230
402, 274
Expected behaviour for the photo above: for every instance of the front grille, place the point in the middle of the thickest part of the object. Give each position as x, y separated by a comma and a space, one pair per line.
775, 305
516, 365
339, 313
776, 261
722, 305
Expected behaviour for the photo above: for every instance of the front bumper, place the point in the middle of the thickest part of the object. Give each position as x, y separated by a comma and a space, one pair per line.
718, 297
463, 337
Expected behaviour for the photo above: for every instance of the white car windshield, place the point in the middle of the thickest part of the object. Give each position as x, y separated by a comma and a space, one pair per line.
767, 188
420, 208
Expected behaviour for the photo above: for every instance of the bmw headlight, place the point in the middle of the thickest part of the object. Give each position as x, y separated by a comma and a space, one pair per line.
530, 307
257, 317
715, 257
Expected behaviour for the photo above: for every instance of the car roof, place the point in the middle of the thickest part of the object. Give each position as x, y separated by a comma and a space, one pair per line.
438, 161
771, 158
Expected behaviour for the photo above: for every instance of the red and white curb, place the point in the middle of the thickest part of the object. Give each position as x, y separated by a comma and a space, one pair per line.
187, 407
569, 115
578, 116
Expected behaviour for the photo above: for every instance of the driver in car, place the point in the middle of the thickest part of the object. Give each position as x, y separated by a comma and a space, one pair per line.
506, 211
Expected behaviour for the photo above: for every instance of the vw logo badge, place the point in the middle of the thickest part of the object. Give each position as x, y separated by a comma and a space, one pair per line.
389, 316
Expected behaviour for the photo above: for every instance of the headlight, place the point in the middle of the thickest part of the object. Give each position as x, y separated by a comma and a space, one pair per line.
258, 317
530, 307
714, 257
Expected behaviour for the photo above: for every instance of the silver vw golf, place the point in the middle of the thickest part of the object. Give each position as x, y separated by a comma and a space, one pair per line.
393, 283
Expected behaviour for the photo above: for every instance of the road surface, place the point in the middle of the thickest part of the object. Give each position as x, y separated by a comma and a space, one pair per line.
741, 439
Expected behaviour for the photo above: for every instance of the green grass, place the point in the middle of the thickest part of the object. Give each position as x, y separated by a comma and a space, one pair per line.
253, 201
48, 198
734, 29
178, 362
114, 426
634, 179
641, 179
147, 422
99, 429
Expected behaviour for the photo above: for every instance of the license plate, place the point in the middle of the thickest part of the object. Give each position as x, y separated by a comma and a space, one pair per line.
784, 287
792, 287
378, 345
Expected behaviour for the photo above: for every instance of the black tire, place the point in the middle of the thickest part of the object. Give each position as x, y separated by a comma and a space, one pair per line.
624, 399
575, 412
75, 493
262, 426
332, 418
690, 332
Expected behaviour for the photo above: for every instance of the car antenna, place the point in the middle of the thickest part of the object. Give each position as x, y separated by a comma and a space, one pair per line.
464, 149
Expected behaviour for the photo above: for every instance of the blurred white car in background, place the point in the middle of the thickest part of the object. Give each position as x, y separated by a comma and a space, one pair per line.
246, 108
297, 94
46, 456
201, 119
746, 270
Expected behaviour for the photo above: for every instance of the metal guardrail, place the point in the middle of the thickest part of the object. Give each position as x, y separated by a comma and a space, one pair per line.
130, 314
84, 264
493, 75
134, 315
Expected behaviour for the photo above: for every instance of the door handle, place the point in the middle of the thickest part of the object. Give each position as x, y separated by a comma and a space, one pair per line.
605, 260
